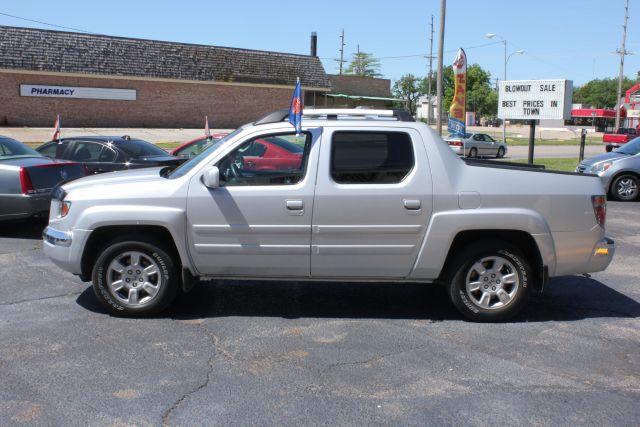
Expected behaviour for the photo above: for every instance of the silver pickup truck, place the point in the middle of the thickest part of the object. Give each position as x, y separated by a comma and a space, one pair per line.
358, 195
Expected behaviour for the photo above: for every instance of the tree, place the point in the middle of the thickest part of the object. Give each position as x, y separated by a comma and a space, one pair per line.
409, 88
481, 97
364, 64
600, 93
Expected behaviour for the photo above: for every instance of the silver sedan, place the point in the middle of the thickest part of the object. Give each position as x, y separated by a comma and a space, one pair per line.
619, 170
476, 145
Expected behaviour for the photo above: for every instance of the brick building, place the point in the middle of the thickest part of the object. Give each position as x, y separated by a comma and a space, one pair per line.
356, 91
103, 81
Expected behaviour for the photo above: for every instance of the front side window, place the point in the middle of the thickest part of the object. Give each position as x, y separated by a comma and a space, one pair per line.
371, 157
267, 160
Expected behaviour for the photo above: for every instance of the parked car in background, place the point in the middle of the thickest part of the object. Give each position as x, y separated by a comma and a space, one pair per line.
273, 153
476, 145
109, 153
619, 170
27, 177
618, 139
196, 146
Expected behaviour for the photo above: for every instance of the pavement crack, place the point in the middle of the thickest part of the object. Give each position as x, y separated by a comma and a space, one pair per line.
75, 293
215, 348
373, 360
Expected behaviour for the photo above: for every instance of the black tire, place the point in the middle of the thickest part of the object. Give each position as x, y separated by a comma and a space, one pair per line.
625, 188
473, 152
166, 281
500, 153
488, 254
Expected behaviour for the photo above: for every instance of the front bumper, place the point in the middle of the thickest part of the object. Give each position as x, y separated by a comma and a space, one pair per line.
64, 248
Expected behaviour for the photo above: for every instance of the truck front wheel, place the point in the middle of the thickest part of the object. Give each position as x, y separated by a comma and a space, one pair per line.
135, 277
489, 281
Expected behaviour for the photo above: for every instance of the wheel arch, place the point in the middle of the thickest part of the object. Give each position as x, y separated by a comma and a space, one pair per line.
101, 236
518, 238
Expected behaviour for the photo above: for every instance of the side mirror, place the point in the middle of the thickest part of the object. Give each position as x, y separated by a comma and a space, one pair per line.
211, 177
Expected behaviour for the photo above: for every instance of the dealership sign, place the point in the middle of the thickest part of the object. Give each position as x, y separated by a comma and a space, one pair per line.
535, 99
78, 92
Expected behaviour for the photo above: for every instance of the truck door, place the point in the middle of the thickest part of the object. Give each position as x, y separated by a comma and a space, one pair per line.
258, 222
372, 203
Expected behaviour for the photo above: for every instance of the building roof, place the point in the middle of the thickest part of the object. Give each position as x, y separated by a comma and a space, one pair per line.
58, 51
360, 85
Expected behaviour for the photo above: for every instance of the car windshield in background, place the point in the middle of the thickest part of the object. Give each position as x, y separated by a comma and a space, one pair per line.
10, 149
631, 148
139, 148
192, 162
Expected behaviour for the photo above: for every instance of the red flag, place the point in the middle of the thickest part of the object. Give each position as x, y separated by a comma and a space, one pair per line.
207, 132
56, 128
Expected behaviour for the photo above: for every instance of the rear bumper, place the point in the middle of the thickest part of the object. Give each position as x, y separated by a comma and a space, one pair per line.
602, 255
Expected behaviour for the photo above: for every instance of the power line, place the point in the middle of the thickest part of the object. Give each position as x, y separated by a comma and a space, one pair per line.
47, 23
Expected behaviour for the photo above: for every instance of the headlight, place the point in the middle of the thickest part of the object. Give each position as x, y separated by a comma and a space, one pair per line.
63, 209
600, 167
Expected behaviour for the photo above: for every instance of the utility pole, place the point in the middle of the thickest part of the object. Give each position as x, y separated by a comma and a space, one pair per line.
341, 60
622, 53
358, 62
443, 7
429, 107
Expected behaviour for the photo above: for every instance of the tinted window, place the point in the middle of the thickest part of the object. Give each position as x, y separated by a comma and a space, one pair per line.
139, 148
53, 149
370, 157
85, 151
12, 148
265, 161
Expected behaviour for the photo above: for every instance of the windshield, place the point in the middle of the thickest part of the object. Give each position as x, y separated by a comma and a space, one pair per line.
10, 148
192, 162
455, 135
139, 148
631, 148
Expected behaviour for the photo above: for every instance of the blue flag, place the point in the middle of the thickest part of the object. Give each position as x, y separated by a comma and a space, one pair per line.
295, 110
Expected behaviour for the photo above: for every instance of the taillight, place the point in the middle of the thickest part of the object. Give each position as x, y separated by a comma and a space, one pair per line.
25, 182
456, 143
599, 209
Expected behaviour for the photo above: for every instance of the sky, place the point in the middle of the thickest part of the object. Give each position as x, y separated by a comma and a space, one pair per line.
561, 39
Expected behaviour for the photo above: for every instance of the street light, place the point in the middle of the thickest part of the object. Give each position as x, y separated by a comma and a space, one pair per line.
506, 60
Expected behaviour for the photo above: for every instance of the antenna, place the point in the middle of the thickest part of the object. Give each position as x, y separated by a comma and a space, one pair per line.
342, 44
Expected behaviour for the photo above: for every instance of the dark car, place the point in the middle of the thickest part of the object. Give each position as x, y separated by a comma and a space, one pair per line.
27, 178
109, 153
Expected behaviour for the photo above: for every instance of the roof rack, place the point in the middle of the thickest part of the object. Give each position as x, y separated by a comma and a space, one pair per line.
334, 113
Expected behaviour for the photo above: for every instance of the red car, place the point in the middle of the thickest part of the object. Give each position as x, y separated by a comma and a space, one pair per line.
270, 153
196, 146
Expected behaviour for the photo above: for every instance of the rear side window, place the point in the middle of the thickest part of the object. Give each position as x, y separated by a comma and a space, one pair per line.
370, 157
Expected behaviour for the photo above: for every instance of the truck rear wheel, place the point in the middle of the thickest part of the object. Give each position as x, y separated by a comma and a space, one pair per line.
135, 277
489, 281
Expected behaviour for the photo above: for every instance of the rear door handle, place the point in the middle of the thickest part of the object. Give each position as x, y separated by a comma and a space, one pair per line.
412, 204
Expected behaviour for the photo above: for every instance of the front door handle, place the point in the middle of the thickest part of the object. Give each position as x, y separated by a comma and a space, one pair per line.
412, 204
295, 205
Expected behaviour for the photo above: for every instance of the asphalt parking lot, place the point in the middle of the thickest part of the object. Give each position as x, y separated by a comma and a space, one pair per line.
255, 353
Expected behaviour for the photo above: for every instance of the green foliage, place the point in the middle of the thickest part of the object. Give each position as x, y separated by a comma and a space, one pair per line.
408, 88
600, 93
364, 64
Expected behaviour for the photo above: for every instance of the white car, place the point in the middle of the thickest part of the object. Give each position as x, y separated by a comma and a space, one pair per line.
476, 145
